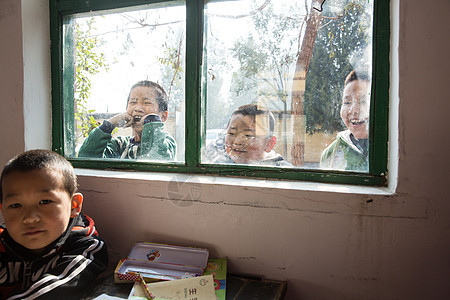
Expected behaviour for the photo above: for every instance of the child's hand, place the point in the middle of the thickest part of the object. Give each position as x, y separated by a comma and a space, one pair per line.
150, 118
121, 120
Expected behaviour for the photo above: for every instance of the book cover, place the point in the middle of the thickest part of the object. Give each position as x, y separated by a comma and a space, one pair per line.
194, 288
218, 268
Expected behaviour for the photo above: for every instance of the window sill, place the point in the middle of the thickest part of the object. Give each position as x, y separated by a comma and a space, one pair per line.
238, 182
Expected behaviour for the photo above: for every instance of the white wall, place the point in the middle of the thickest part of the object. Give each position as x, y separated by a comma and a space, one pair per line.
36, 65
327, 244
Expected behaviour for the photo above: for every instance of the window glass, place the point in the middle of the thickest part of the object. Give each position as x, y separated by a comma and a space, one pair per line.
259, 88
278, 88
124, 71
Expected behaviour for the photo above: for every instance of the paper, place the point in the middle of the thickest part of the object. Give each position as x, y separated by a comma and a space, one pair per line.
107, 297
195, 288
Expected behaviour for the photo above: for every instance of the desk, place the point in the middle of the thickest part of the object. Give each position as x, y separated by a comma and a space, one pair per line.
242, 288
106, 285
238, 288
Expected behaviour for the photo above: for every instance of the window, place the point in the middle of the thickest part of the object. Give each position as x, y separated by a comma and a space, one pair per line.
258, 88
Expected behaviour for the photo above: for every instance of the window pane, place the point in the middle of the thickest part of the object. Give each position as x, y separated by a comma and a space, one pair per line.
292, 59
126, 67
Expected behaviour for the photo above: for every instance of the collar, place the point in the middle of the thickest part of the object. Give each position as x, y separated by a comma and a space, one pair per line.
134, 142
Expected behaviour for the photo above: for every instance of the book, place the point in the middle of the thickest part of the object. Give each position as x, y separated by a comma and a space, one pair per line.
218, 268
194, 288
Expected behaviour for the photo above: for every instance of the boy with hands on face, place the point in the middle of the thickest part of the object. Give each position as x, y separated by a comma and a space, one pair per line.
48, 249
147, 110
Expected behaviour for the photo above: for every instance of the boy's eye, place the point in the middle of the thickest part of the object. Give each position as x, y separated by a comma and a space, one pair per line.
346, 100
45, 201
15, 205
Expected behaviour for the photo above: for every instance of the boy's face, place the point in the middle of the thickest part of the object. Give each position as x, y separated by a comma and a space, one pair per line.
36, 208
355, 108
142, 102
246, 141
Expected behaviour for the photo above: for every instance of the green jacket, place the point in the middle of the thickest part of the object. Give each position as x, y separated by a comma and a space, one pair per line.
156, 144
215, 153
343, 154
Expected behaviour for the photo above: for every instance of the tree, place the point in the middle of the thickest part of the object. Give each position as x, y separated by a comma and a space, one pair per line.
316, 91
341, 40
171, 65
218, 108
328, 36
299, 84
267, 54
88, 62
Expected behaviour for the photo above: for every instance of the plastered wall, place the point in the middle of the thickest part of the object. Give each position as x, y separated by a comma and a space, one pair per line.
11, 79
327, 244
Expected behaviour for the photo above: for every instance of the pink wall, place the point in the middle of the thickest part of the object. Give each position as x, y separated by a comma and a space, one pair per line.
11, 80
326, 244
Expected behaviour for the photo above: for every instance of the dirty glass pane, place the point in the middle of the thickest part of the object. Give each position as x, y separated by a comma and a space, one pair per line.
291, 58
124, 76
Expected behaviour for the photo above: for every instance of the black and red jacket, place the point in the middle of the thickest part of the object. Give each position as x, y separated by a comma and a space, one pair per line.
63, 270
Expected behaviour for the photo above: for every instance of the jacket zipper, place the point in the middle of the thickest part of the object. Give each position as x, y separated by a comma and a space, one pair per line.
26, 275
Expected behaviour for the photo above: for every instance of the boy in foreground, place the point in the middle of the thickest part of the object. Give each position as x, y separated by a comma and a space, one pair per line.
248, 139
350, 149
48, 249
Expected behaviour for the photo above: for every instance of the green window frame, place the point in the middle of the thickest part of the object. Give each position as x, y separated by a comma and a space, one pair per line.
379, 127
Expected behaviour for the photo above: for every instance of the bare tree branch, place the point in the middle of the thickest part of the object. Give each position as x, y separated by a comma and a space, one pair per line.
254, 12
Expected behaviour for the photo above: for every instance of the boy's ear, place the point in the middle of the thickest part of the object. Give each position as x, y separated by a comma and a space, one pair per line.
270, 143
77, 202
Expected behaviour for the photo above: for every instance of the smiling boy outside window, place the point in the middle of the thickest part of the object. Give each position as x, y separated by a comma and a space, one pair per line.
248, 139
48, 249
350, 149
145, 114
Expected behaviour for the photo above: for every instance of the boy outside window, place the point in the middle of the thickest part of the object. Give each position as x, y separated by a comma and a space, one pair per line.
248, 139
146, 111
48, 249
350, 149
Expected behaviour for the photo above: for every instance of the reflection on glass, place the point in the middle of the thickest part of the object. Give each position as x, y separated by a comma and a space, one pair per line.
293, 60
124, 70
248, 139
146, 112
349, 151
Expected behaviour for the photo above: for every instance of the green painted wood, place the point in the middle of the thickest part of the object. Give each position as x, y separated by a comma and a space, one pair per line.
380, 107
194, 31
76, 6
235, 171
55, 56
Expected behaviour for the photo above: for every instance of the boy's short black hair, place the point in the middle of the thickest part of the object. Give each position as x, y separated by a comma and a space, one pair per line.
162, 98
254, 110
357, 75
39, 160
